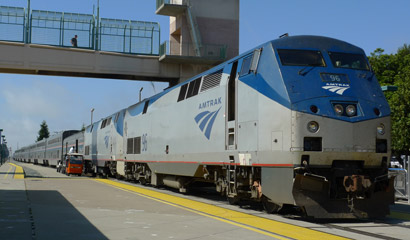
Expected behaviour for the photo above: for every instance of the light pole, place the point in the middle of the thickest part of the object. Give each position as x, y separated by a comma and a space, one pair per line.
92, 110
140, 93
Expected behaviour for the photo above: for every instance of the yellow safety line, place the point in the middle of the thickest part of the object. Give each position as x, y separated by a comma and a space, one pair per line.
18, 173
257, 224
5, 176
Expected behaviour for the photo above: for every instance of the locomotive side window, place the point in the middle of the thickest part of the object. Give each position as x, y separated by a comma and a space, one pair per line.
182, 92
293, 57
246, 65
193, 88
349, 60
145, 107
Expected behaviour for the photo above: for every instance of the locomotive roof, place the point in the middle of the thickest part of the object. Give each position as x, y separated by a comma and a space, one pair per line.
320, 42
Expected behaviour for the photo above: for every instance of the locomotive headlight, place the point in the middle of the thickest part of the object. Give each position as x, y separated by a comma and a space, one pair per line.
313, 127
381, 129
338, 109
351, 110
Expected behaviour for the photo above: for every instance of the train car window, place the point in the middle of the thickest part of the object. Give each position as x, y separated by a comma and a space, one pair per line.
108, 121
145, 107
246, 66
294, 57
193, 87
349, 60
182, 92
212, 80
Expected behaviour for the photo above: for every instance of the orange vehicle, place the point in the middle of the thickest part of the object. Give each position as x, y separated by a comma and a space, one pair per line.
73, 164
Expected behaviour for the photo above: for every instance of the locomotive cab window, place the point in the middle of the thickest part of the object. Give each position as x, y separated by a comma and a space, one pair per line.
294, 57
349, 60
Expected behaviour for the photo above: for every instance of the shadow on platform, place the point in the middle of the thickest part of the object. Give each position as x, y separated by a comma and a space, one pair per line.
42, 215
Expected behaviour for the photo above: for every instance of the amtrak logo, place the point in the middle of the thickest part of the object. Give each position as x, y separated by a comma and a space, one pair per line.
336, 87
205, 121
106, 140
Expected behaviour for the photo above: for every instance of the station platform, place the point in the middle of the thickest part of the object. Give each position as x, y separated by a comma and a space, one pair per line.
49, 205
15, 218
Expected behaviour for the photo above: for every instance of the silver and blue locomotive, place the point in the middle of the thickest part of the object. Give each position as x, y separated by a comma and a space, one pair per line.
296, 121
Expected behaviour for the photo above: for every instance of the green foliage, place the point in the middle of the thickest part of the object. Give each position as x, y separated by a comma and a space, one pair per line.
43, 132
394, 69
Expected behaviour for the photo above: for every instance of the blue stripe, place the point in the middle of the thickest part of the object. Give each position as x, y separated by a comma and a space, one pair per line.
205, 121
200, 116
210, 124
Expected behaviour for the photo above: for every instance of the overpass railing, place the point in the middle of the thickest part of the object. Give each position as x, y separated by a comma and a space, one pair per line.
58, 28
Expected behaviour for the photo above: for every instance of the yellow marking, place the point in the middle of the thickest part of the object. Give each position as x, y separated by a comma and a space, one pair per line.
399, 215
264, 226
18, 173
11, 167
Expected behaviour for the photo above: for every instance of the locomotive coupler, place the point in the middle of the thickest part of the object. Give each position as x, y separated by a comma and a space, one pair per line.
357, 184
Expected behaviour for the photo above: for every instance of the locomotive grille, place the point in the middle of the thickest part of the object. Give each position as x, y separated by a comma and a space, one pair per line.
212, 80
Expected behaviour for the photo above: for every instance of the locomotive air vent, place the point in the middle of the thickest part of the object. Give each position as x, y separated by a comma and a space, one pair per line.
212, 80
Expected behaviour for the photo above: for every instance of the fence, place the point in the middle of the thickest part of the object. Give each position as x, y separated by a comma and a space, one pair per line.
58, 28
175, 2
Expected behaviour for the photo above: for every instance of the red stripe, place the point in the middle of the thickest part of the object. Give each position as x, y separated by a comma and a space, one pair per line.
205, 163
272, 165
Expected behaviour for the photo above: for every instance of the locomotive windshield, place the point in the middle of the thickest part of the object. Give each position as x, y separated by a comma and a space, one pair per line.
294, 57
349, 60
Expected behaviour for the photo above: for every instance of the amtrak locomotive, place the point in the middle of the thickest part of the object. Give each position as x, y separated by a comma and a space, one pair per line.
296, 121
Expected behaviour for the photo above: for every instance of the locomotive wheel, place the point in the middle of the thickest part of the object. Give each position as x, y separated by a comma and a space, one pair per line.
233, 200
142, 181
269, 206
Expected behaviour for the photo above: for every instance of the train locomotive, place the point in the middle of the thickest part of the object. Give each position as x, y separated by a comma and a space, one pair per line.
297, 121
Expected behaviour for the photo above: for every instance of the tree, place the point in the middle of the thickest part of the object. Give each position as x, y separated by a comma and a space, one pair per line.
394, 69
43, 133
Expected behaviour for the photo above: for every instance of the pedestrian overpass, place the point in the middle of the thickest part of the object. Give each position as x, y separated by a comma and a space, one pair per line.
38, 42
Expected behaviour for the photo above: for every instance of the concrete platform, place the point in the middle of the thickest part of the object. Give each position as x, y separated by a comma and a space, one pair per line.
50, 205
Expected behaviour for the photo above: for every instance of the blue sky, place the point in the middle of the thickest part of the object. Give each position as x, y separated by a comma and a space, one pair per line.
65, 103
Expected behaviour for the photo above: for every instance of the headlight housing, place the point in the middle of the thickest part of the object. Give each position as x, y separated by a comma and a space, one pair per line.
313, 127
338, 109
381, 129
351, 110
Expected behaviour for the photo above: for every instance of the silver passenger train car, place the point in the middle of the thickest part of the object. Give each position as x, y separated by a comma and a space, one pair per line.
46, 152
297, 121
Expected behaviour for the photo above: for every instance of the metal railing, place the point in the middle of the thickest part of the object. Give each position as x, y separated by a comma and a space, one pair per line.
58, 28
129, 36
210, 51
174, 2
12, 24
